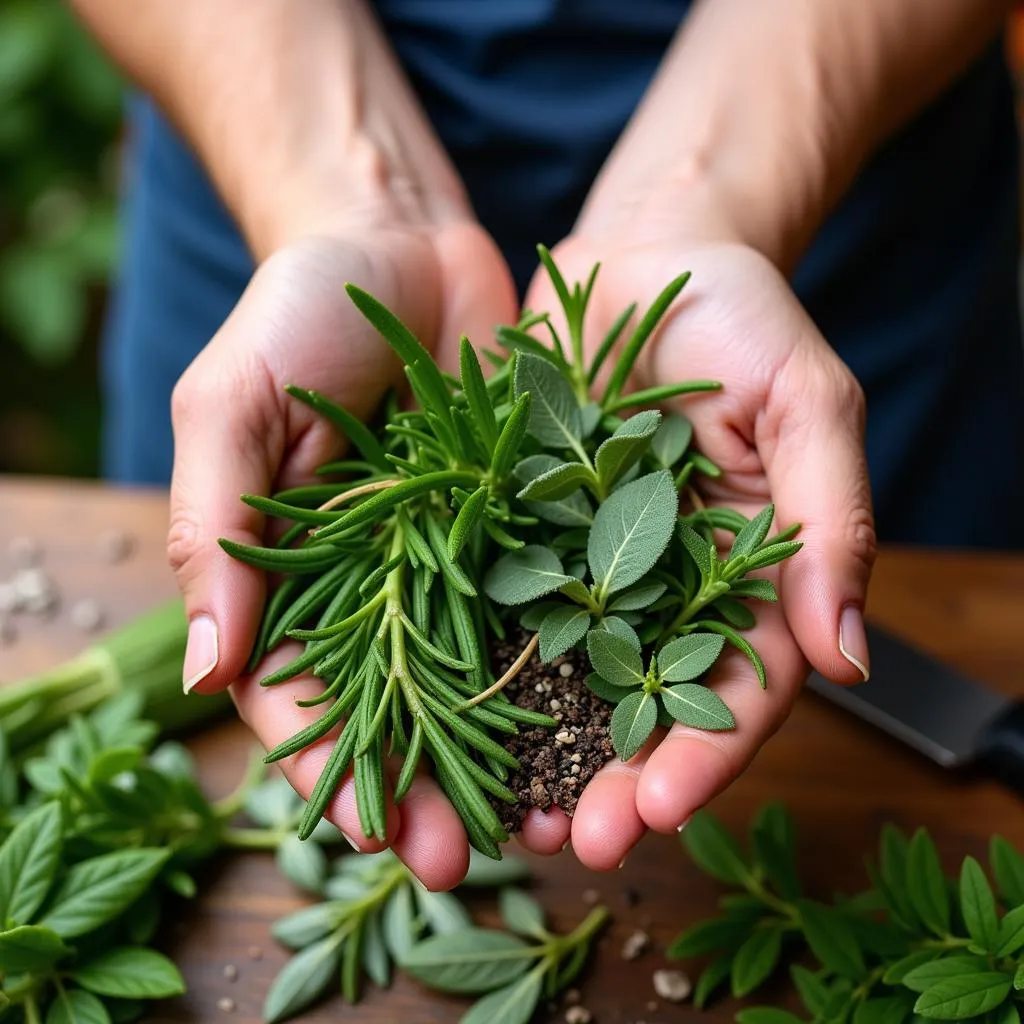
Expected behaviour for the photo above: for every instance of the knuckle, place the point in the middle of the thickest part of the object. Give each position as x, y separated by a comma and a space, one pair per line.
861, 538
183, 543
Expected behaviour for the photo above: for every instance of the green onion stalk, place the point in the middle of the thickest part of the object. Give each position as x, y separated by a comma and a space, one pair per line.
144, 656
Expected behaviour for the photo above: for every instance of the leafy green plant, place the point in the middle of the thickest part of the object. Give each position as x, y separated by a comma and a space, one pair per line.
916, 946
511, 496
373, 912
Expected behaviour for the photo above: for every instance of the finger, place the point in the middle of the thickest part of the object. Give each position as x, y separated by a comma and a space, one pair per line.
432, 839
606, 824
811, 441
273, 715
691, 766
545, 832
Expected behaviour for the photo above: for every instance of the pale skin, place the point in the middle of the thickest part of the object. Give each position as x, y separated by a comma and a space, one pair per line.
756, 124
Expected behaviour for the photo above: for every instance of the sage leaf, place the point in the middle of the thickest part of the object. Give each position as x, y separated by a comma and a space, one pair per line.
735, 612
741, 644
398, 921
689, 656
978, 905
755, 960
896, 972
554, 412
524, 575
698, 548
484, 872
925, 976
521, 913
626, 446
631, 531
926, 883
513, 1004
442, 911
376, 961
307, 925
639, 597
76, 1006
773, 554
671, 440
831, 939
468, 961
97, 890
303, 980
556, 483
882, 1010
1011, 932
607, 691
30, 948
614, 658
1008, 868
562, 629
633, 720
697, 706
715, 850
28, 863
968, 995
130, 973
303, 863
619, 627
753, 534
761, 590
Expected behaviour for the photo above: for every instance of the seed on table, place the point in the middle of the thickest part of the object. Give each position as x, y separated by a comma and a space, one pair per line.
231, 972
114, 546
672, 985
25, 551
636, 944
225, 1004
87, 615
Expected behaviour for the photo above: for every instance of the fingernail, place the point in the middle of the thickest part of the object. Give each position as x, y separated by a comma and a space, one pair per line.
351, 842
201, 653
853, 640
683, 824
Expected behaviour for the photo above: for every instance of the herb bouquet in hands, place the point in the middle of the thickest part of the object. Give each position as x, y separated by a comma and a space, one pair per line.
524, 505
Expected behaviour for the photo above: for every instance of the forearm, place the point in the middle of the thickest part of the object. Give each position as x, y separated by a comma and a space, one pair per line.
762, 113
299, 111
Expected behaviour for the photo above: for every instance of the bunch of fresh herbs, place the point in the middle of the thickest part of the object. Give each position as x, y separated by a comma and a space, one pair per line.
517, 495
376, 916
916, 946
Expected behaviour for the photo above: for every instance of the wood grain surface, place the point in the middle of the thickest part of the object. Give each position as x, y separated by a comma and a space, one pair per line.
841, 779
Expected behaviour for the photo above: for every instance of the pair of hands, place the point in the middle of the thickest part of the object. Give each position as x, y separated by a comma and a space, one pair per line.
787, 427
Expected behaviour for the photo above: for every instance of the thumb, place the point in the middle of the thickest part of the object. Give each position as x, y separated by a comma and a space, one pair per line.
213, 466
811, 443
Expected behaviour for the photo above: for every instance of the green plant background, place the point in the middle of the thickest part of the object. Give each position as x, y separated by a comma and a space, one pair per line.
60, 123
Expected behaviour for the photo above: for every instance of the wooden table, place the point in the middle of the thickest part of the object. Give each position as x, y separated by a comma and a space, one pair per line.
841, 779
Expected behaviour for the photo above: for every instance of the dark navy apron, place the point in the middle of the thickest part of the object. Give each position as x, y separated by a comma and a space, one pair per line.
913, 279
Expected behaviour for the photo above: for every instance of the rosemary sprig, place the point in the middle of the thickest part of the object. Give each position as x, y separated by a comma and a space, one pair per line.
513, 495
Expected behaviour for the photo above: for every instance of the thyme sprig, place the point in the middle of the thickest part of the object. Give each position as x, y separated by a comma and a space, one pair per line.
514, 494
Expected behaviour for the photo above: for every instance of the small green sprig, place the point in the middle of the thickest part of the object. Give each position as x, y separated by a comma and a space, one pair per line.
916, 946
518, 495
513, 969
373, 912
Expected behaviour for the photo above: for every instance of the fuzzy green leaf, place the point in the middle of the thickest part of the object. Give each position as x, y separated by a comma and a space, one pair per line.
524, 575
512, 1004
631, 531
626, 446
303, 863
442, 911
633, 720
671, 440
76, 1006
734, 612
715, 850
30, 948
831, 939
398, 920
562, 629
739, 643
689, 656
130, 973
521, 913
619, 627
556, 483
926, 883
28, 863
761, 590
697, 706
554, 414
614, 658
468, 961
755, 960
698, 548
643, 595
968, 995
978, 905
752, 536
772, 554
303, 980
607, 691
308, 925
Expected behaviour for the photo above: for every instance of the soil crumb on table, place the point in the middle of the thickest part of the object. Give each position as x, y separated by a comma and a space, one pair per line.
555, 764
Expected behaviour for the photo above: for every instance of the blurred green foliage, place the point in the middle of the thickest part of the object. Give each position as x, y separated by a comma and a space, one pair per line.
60, 116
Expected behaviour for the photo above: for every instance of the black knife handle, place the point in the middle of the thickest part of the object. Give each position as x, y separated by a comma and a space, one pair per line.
1001, 751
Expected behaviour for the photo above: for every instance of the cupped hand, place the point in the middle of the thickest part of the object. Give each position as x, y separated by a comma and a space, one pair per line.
786, 427
236, 431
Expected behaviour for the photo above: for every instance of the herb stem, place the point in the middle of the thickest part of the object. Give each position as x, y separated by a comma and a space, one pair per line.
228, 806
584, 931
32, 1015
704, 597
513, 670
253, 838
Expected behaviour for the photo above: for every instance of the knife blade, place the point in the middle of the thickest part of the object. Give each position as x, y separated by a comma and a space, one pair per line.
957, 722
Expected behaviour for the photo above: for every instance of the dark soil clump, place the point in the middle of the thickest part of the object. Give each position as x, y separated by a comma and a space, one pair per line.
555, 764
